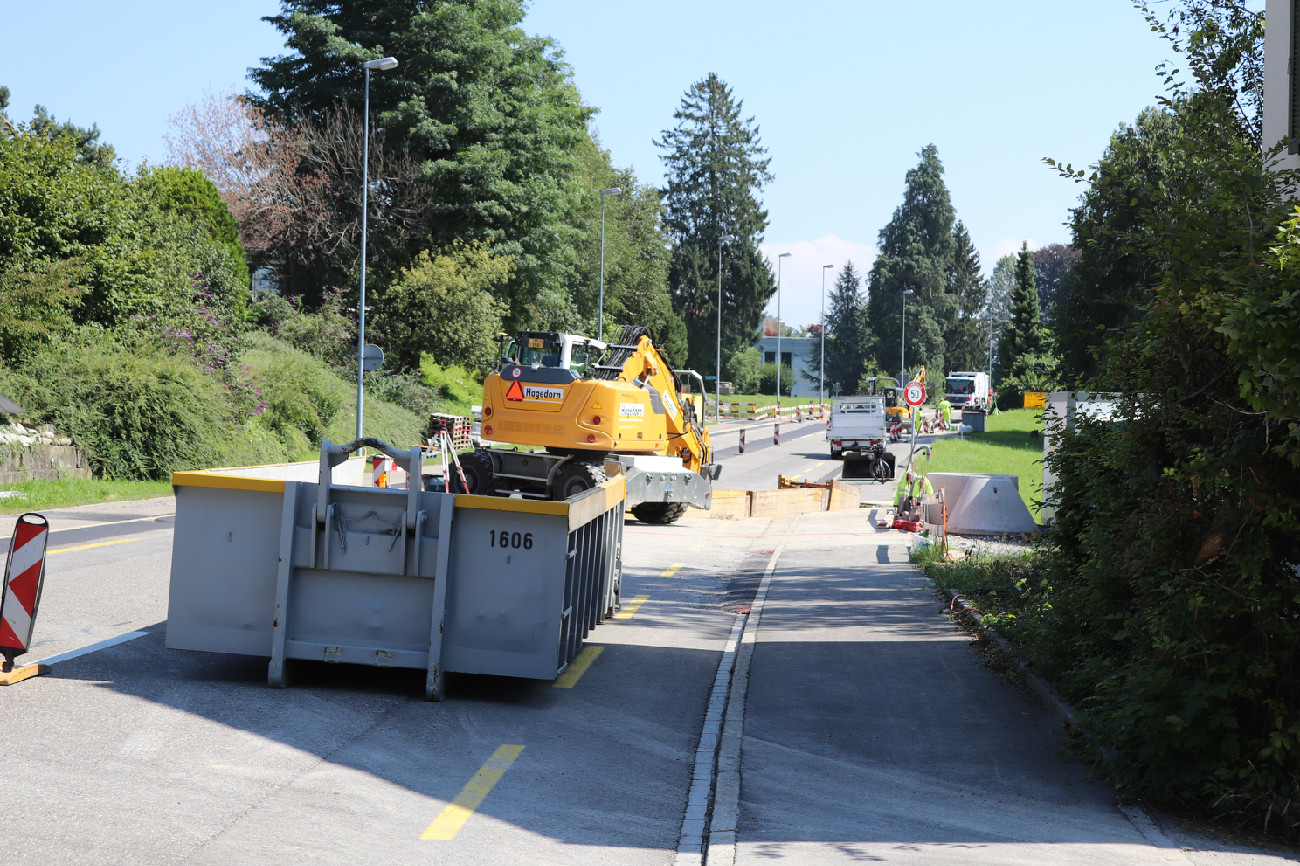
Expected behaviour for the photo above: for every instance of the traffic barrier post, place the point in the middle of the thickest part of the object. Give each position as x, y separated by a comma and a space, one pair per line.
742, 440
21, 594
776, 433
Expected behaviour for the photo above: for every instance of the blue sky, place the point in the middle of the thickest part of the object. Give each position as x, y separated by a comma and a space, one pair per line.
845, 94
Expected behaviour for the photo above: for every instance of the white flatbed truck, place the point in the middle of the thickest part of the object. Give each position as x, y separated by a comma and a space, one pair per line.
856, 433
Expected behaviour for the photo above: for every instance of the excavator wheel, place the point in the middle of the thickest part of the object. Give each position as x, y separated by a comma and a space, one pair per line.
477, 467
576, 477
659, 512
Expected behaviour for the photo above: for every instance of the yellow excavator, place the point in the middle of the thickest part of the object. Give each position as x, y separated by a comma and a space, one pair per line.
595, 410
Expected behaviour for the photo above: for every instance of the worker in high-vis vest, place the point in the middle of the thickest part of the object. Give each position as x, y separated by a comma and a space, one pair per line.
907, 501
945, 410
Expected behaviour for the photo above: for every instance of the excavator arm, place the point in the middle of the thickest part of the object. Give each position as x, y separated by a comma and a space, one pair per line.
645, 367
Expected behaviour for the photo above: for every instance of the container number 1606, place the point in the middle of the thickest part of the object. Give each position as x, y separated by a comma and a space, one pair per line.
510, 540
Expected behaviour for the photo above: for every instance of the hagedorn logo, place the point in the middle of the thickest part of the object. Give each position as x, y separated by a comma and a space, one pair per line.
535, 392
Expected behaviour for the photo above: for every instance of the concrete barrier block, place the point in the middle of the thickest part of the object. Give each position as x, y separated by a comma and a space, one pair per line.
771, 503
843, 496
730, 504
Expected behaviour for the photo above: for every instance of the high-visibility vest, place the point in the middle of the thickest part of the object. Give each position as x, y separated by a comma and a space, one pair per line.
919, 487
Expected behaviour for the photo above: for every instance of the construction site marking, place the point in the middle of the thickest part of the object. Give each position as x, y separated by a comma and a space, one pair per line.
578, 667
458, 811
672, 569
629, 610
89, 546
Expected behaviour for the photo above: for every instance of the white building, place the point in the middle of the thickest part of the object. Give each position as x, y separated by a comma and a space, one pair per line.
1281, 85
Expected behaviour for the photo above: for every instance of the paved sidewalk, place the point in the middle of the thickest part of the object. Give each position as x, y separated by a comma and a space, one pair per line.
873, 731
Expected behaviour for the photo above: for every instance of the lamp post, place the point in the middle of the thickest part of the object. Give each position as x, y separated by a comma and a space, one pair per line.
717, 368
821, 354
902, 350
600, 315
382, 63
778, 334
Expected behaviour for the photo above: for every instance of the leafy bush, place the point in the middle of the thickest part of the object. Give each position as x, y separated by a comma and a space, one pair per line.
329, 333
743, 368
327, 408
443, 305
137, 416
306, 398
456, 388
403, 389
767, 382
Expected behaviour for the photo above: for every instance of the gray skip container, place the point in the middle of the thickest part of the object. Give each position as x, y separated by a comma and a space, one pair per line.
390, 577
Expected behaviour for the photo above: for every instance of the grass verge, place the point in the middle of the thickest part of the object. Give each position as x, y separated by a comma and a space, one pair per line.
47, 495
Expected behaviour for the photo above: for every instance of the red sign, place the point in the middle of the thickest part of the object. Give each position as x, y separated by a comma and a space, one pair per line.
516, 392
914, 393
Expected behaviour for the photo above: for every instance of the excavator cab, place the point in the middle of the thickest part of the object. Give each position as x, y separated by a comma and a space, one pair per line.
551, 349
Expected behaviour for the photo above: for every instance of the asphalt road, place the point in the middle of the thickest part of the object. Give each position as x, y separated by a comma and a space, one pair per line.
860, 725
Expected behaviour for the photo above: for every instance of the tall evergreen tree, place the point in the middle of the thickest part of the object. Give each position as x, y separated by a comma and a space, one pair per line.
964, 339
1024, 359
1052, 265
490, 113
715, 166
844, 348
997, 310
1106, 293
916, 254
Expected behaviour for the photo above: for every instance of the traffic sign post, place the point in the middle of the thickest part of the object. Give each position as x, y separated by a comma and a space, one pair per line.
914, 396
372, 357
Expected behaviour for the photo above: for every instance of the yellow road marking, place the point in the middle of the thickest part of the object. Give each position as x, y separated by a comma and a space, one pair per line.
632, 607
459, 810
89, 546
672, 569
578, 667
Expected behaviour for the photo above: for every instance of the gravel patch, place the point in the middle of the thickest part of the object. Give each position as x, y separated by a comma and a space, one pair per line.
989, 545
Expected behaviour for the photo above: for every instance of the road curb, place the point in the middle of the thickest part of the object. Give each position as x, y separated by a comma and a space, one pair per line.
1142, 822
720, 845
1036, 684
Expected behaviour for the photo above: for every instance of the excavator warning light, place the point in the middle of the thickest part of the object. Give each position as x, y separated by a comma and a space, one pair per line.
487, 411
591, 437
596, 420
487, 431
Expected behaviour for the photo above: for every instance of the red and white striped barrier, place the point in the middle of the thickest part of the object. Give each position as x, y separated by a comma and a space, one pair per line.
776, 433
24, 575
381, 465
742, 440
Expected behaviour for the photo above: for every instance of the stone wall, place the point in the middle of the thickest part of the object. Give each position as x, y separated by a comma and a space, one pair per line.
41, 462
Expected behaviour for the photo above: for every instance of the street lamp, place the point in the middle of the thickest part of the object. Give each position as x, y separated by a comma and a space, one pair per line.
778, 334
902, 363
600, 314
382, 63
717, 381
821, 374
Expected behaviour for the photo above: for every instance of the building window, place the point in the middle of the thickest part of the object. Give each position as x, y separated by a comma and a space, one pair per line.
769, 357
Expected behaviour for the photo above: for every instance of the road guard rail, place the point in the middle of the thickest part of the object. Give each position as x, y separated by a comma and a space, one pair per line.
446, 583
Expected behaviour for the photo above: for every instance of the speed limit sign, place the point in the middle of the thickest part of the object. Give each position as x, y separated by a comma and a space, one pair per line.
914, 393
